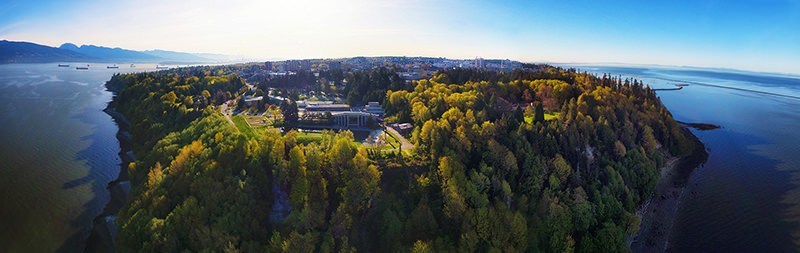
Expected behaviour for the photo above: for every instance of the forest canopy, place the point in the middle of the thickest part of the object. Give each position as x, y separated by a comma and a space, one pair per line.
542, 159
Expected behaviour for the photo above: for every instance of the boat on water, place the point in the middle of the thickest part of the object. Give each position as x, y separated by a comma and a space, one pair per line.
112, 67
82, 67
133, 66
63, 65
161, 67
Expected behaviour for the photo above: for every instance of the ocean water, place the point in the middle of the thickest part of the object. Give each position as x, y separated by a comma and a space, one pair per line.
58, 151
746, 197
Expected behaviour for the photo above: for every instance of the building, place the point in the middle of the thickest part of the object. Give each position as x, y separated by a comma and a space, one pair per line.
250, 100
410, 75
351, 119
276, 100
323, 106
268, 66
290, 65
374, 108
404, 128
479, 63
305, 65
297, 65
342, 116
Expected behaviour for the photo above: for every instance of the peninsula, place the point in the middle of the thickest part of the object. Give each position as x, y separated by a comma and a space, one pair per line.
535, 158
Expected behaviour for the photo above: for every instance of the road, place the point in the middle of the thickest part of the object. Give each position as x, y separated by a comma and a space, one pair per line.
224, 109
404, 144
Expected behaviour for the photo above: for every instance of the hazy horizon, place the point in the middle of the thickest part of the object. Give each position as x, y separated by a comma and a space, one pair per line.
745, 35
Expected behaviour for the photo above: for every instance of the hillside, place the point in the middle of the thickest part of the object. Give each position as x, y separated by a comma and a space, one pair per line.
107, 53
176, 56
26, 52
484, 176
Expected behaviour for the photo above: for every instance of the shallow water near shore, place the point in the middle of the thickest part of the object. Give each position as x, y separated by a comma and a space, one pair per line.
58, 151
746, 198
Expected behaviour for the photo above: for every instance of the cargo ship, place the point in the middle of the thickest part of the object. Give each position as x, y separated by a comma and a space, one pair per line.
63, 65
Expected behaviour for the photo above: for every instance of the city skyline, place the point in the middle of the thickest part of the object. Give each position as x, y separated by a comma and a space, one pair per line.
747, 35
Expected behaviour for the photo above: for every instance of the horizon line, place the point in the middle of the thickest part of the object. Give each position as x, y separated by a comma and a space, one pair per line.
252, 59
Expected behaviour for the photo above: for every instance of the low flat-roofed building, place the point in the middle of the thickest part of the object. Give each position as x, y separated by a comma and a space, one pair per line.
327, 107
351, 119
342, 116
374, 108
251, 100
403, 128
304, 103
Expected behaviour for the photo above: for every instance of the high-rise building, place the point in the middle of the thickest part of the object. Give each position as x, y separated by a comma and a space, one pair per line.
479, 63
297, 65
291, 65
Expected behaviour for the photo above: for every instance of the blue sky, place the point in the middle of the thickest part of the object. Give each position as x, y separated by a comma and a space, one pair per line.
750, 35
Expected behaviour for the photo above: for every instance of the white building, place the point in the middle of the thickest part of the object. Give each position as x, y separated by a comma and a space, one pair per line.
374, 108
351, 119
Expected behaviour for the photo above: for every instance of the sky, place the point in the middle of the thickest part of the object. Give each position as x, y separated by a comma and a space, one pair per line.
750, 35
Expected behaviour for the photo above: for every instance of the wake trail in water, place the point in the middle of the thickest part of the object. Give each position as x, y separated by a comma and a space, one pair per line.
722, 87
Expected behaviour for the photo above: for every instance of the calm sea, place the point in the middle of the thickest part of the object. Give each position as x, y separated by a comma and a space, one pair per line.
746, 198
58, 151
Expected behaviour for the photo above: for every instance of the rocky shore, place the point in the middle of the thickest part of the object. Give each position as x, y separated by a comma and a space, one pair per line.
658, 213
104, 228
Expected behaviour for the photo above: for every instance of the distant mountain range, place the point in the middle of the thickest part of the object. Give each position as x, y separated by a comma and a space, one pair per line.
26, 52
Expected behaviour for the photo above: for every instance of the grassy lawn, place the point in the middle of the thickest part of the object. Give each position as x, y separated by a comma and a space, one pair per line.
551, 116
255, 120
306, 137
392, 140
548, 116
260, 129
394, 143
309, 137
241, 124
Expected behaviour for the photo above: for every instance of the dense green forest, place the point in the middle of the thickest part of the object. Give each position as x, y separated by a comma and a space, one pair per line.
544, 159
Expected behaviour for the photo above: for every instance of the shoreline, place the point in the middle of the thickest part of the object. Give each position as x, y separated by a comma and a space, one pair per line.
104, 227
658, 213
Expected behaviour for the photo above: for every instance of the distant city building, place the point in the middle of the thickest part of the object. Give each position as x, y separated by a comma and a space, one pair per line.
305, 65
297, 65
410, 75
291, 65
479, 63
268, 66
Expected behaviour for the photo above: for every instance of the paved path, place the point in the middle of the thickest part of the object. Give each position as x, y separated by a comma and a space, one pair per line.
404, 144
224, 109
